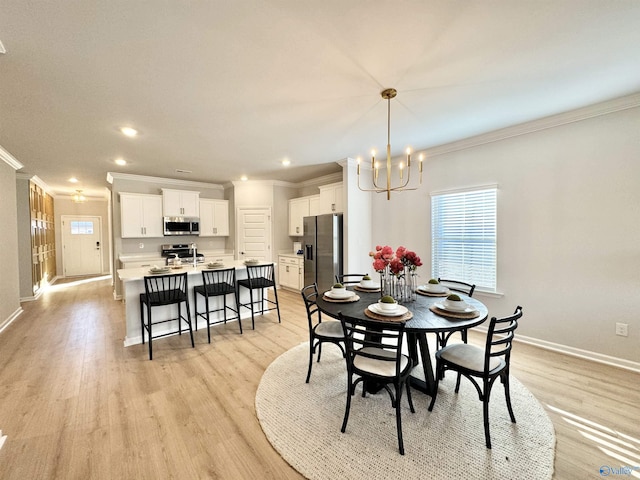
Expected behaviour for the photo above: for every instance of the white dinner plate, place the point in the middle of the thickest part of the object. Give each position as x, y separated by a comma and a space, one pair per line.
400, 310
371, 286
158, 271
215, 265
467, 309
339, 296
425, 288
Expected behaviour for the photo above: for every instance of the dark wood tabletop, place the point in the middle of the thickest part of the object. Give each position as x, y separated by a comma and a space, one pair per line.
424, 321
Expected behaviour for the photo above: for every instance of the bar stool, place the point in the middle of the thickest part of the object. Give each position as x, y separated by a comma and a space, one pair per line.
162, 290
258, 278
217, 283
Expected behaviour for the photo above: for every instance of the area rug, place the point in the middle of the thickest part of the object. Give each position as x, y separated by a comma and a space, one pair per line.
302, 422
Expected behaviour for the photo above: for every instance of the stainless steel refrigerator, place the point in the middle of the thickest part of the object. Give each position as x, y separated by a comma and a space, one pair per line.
322, 237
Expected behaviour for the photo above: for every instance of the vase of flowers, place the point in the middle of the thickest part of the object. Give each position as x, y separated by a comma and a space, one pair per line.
397, 271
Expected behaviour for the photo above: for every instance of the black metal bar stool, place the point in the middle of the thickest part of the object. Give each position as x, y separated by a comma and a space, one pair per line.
162, 290
258, 278
217, 283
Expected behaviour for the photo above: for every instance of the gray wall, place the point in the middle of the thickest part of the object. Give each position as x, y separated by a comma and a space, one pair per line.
568, 235
96, 208
10, 278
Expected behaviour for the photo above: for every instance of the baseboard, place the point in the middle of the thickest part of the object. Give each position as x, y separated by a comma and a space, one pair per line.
10, 319
576, 352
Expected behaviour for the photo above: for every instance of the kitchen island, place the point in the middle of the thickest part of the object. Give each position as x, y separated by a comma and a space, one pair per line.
133, 284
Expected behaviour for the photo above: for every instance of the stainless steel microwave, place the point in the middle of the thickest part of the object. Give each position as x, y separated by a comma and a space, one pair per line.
181, 226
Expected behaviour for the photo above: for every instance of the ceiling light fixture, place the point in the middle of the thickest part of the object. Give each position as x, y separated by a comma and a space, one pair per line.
120, 161
286, 162
129, 132
388, 94
73, 180
243, 178
78, 197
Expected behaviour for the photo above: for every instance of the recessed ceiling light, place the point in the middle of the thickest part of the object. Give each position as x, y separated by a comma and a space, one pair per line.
73, 180
243, 178
286, 162
120, 161
128, 131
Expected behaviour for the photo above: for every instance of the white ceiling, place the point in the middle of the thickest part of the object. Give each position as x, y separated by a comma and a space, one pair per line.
225, 88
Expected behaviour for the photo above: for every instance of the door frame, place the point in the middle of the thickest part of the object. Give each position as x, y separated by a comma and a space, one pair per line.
267, 211
65, 218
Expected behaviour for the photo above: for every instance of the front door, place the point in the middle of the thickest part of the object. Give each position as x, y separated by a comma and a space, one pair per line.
81, 245
254, 233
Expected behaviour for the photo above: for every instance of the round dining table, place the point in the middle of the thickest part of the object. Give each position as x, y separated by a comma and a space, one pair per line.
424, 321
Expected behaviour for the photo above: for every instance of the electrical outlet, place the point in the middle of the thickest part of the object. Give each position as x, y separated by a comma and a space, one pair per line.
141, 245
622, 329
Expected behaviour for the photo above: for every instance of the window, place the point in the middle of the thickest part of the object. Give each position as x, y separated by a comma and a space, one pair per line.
463, 237
81, 228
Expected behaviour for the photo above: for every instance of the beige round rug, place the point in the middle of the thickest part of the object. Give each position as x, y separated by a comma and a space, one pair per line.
302, 422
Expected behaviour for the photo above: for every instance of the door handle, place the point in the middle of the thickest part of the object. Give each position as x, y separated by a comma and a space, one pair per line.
97, 245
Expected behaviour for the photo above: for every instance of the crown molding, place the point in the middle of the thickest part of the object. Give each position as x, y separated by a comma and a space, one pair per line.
10, 159
37, 180
111, 176
591, 111
324, 180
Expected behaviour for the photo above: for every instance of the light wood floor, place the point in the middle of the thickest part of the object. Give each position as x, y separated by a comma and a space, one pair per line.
76, 404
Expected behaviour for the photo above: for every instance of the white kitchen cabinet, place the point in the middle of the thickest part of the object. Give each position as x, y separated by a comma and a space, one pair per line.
331, 198
314, 205
140, 215
214, 218
180, 203
298, 209
290, 272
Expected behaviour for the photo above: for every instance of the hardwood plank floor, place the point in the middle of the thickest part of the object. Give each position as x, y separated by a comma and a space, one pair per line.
76, 404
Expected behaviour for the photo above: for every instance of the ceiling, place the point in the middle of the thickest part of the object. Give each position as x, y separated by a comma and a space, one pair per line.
230, 88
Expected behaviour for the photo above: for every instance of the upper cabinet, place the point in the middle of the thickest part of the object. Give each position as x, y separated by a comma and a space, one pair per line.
298, 209
314, 205
180, 203
331, 198
140, 215
214, 218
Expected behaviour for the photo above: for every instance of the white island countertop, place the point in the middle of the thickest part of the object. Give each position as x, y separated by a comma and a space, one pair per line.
133, 283
129, 274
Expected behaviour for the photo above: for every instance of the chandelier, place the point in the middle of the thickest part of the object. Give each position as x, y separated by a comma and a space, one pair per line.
403, 183
78, 197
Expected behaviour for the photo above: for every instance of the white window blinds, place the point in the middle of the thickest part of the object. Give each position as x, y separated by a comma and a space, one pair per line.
463, 229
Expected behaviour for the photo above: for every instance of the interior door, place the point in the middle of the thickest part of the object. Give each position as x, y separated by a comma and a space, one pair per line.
254, 233
81, 245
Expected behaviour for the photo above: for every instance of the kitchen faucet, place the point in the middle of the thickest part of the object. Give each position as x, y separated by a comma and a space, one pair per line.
195, 257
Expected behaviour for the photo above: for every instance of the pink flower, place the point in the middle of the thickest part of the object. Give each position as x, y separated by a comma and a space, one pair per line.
396, 266
379, 265
396, 261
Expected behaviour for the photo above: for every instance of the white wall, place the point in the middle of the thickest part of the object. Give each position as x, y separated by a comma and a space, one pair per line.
568, 235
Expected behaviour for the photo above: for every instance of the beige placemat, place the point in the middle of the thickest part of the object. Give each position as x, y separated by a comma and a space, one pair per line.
353, 298
429, 294
386, 318
363, 289
447, 313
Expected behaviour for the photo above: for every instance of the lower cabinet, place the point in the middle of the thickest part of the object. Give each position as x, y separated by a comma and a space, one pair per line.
290, 272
